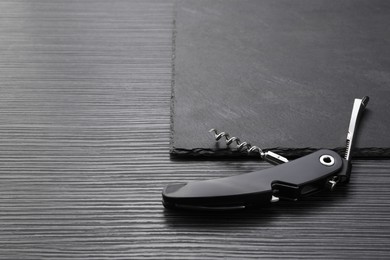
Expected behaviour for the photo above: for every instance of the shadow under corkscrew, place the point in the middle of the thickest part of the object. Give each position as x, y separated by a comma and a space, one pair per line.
268, 156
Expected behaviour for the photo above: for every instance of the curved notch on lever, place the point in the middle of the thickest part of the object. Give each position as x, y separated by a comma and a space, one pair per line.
291, 181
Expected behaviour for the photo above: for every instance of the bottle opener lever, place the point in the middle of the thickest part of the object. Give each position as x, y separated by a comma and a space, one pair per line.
289, 180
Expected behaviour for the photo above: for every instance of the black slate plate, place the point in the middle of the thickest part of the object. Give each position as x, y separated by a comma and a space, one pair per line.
281, 75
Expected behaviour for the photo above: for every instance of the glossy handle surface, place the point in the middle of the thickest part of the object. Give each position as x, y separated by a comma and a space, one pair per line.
291, 180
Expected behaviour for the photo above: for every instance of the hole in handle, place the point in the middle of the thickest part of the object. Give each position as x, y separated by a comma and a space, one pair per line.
327, 160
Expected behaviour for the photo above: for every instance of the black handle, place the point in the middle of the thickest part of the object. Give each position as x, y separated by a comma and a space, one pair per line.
291, 180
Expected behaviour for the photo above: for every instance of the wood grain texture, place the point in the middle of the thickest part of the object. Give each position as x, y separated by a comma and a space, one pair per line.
84, 137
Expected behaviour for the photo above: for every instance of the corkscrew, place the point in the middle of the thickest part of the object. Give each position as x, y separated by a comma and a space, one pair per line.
288, 180
268, 156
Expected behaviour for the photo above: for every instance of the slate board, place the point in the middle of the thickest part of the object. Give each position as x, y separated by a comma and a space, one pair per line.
281, 75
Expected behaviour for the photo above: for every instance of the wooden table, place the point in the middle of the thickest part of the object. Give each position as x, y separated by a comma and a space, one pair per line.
84, 134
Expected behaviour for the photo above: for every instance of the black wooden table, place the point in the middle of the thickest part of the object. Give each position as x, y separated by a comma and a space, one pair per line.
85, 92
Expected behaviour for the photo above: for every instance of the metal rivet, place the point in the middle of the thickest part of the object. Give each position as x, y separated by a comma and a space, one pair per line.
327, 160
274, 199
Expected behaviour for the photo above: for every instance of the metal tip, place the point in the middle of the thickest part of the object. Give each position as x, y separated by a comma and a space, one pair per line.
365, 100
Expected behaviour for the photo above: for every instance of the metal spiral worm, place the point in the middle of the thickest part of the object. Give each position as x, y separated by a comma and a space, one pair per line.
268, 156
240, 145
